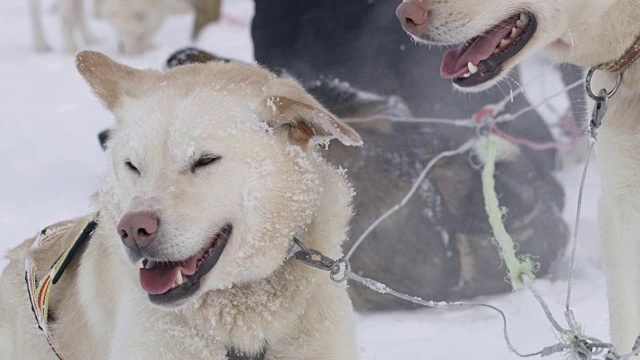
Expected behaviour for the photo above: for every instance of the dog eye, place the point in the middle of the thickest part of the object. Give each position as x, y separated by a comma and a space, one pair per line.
132, 167
204, 160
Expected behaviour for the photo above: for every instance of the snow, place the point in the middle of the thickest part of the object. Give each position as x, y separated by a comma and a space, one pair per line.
51, 164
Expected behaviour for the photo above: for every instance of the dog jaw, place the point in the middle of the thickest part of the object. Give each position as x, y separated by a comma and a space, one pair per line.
565, 29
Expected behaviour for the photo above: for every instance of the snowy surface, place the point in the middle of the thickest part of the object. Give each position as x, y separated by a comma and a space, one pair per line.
51, 163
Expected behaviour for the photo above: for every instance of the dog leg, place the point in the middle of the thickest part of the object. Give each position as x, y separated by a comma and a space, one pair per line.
39, 40
82, 24
98, 9
67, 22
151, 23
621, 249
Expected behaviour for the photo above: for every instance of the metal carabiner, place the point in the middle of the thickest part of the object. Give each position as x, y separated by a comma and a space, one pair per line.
599, 109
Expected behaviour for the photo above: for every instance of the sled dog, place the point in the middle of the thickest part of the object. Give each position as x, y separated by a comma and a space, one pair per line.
495, 35
213, 172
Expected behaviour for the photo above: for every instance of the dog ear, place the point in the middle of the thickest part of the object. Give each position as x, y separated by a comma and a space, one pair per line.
291, 106
110, 81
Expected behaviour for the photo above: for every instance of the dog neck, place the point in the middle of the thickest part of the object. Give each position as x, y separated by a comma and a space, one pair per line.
598, 33
606, 35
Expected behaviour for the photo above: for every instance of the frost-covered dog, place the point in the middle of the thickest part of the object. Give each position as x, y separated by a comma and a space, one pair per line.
212, 174
72, 19
496, 35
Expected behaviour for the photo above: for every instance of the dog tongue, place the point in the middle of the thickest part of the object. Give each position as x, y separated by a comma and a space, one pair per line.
454, 62
161, 278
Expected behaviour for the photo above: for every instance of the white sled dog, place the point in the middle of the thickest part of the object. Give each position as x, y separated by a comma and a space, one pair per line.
496, 35
213, 173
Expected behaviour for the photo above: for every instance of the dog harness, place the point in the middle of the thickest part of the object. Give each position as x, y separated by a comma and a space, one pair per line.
40, 289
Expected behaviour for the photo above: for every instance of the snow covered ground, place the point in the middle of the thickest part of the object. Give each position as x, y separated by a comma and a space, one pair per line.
50, 163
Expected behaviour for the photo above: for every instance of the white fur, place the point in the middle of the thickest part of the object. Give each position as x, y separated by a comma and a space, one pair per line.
72, 19
269, 183
586, 33
136, 22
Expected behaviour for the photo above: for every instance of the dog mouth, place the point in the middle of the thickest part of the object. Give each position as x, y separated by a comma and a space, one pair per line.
482, 58
170, 282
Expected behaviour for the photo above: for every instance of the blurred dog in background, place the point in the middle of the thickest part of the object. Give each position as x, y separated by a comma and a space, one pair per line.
135, 22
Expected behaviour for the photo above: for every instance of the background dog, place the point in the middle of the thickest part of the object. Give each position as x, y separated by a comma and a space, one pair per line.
213, 172
495, 36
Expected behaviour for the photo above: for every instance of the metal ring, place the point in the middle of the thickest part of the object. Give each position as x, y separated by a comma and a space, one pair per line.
609, 93
301, 245
336, 269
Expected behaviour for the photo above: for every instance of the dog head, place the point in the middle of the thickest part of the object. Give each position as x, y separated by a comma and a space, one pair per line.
495, 35
213, 170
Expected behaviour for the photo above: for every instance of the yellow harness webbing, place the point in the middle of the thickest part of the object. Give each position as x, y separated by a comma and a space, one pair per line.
39, 290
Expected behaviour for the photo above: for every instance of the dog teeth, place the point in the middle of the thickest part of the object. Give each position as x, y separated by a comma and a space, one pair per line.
466, 75
523, 21
503, 42
514, 32
179, 278
472, 68
149, 264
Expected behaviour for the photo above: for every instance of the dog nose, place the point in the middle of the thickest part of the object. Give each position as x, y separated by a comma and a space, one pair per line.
413, 17
138, 229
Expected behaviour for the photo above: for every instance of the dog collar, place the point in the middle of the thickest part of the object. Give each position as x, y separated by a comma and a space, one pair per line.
627, 59
39, 290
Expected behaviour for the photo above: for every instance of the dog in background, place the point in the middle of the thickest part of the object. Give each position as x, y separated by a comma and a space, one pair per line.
135, 22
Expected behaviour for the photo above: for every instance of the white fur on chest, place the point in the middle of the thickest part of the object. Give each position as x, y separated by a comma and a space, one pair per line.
618, 153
